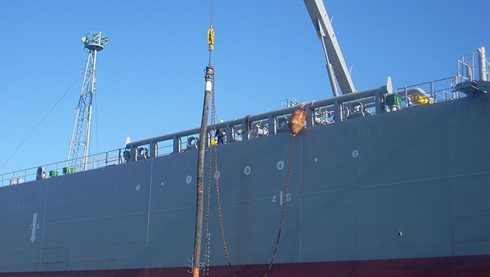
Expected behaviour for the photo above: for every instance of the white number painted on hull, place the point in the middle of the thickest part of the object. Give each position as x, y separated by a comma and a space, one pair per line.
281, 197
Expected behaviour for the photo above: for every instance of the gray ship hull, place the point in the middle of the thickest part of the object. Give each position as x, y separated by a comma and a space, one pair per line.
397, 194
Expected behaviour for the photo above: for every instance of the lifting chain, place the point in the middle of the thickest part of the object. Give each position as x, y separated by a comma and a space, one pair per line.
213, 161
283, 208
207, 242
282, 217
212, 153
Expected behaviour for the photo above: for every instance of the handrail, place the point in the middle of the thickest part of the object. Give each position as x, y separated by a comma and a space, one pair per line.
327, 111
98, 160
281, 112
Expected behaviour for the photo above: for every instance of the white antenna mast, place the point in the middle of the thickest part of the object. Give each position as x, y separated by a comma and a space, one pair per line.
80, 141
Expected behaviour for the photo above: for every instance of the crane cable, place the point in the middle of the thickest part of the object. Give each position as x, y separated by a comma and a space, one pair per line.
211, 30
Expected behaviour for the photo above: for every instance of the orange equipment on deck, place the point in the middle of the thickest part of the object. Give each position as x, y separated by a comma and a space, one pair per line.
298, 119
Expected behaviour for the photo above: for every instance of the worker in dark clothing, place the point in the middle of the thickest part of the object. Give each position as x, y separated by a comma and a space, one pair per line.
220, 134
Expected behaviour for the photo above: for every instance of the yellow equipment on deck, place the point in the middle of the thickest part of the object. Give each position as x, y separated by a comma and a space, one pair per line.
419, 98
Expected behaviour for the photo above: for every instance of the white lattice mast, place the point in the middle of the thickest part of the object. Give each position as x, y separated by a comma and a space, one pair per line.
80, 141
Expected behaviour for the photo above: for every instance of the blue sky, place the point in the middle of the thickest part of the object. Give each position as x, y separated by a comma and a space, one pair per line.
150, 76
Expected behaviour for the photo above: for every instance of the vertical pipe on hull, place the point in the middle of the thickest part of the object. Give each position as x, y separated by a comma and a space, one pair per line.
209, 78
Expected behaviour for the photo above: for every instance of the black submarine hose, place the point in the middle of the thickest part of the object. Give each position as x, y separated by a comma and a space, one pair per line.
209, 77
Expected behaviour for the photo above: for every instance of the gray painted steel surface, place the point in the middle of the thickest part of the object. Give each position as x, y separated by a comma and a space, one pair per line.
407, 184
336, 65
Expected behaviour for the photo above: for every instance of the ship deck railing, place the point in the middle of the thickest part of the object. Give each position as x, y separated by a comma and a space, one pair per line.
322, 112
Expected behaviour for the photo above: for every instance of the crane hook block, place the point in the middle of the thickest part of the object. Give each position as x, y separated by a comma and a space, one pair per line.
211, 39
298, 119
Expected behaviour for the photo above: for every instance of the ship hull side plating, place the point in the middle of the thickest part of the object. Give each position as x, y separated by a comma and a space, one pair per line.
474, 266
400, 193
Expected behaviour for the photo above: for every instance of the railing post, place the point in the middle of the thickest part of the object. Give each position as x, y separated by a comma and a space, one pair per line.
245, 129
272, 125
229, 133
339, 116
379, 102
432, 91
153, 149
132, 156
177, 144
309, 113
473, 66
407, 101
